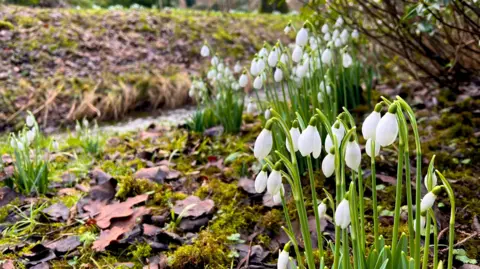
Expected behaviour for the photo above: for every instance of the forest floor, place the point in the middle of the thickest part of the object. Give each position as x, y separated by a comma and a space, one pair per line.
166, 196
67, 64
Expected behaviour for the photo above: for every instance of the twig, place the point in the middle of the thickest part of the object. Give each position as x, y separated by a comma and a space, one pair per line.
461, 242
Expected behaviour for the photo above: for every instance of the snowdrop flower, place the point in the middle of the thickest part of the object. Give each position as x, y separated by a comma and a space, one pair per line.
387, 128
335, 34
344, 36
263, 144
78, 128
328, 89
297, 54
273, 57
20, 146
327, 36
422, 224
339, 22
13, 143
347, 60
260, 65
339, 131
325, 28
295, 134
287, 28
434, 180
237, 68
353, 155
254, 67
274, 181
302, 37
320, 97
429, 199
327, 56
355, 34
257, 83
338, 42
263, 52
243, 80
284, 58
261, 181
251, 107
30, 135
214, 61
322, 209
342, 214
267, 114
313, 43
85, 123
55, 145
205, 51
368, 148
278, 75
309, 141
211, 74
369, 126
283, 257
328, 165
301, 70
30, 121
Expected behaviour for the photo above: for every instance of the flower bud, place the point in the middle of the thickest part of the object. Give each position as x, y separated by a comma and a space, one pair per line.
205, 51
278, 75
274, 182
261, 181
273, 58
302, 37
30, 121
322, 209
325, 28
257, 83
310, 142
243, 80
353, 155
342, 214
328, 165
295, 134
283, 257
369, 126
347, 60
387, 129
327, 56
297, 54
263, 144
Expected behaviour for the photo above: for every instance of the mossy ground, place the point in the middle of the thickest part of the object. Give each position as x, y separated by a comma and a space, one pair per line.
66, 64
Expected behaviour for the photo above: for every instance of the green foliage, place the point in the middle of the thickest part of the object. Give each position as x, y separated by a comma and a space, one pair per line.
228, 110
202, 120
87, 139
461, 255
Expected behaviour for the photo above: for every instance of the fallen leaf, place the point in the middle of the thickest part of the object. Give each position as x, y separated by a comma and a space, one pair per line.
64, 245
104, 191
118, 210
194, 206
6, 196
157, 174
247, 185
57, 212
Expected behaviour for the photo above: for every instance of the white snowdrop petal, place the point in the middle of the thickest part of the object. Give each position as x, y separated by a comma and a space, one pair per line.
302, 37
274, 182
278, 75
243, 81
295, 134
387, 130
328, 165
369, 126
283, 259
368, 148
263, 144
305, 141
427, 201
342, 214
347, 60
297, 54
434, 180
353, 155
261, 182
317, 144
257, 83
327, 56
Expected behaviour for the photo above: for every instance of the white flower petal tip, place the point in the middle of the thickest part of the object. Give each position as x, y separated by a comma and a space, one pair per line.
368, 148
369, 126
434, 180
342, 214
387, 130
283, 259
427, 201
295, 134
263, 144
274, 182
261, 182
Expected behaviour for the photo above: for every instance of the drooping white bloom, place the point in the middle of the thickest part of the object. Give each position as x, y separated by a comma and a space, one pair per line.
287, 29
347, 60
313, 43
344, 36
274, 182
30, 135
302, 37
273, 58
338, 42
335, 34
387, 130
301, 70
423, 221
85, 123
327, 56
20, 146
283, 259
284, 58
205, 51
277, 197
427, 201
243, 80
328, 165
325, 28
261, 181
214, 61
278, 75
295, 133
258, 82
339, 131
260, 65
322, 209
327, 36
267, 114
342, 214
55, 145
320, 97
310, 142
434, 180
369, 126
328, 89
251, 107
263, 144
237, 68
297, 54
355, 34
254, 67
339, 22
211, 74
30, 121
263, 52
353, 155
368, 148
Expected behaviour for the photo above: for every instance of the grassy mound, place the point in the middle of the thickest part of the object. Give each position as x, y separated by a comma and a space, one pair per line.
66, 64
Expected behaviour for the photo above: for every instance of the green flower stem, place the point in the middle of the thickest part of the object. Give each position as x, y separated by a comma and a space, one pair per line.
451, 228
315, 205
398, 198
426, 247
418, 178
374, 199
355, 228
435, 239
292, 239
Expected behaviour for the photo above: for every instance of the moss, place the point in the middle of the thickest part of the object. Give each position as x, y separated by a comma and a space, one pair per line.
5, 25
140, 251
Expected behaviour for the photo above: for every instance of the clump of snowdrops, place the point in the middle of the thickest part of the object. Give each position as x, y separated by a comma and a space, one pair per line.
320, 70
220, 94
30, 151
85, 137
342, 155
